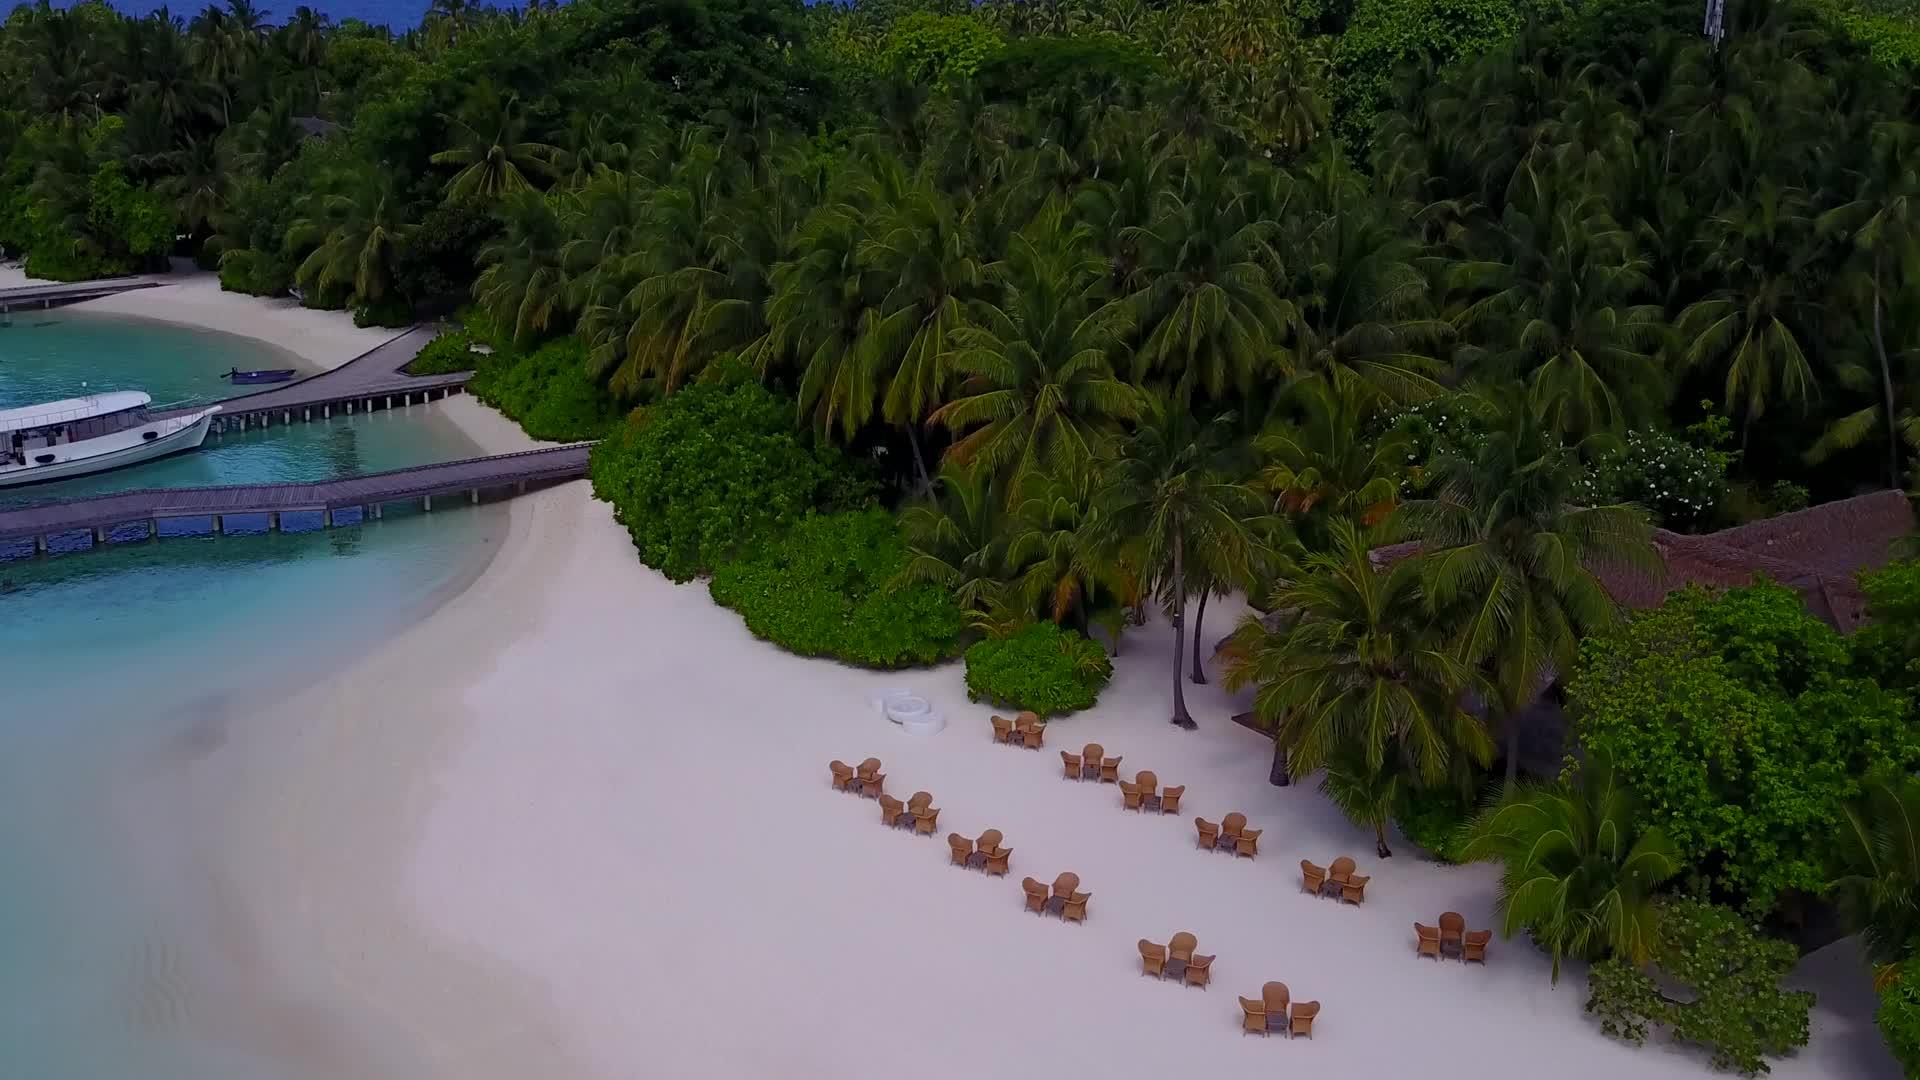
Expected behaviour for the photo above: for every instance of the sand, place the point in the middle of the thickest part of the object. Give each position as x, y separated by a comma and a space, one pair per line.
583, 798
577, 823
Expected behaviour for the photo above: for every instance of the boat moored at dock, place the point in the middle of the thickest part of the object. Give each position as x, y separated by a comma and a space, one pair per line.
60, 440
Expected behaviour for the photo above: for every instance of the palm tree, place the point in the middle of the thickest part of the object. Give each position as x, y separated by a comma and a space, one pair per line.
1579, 869
1322, 464
492, 153
304, 43
1364, 305
922, 250
1507, 558
1549, 301
1365, 793
959, 540
1206, 295
1879, 846
819, 307
1040, 393
353, 233
1885, 226
1352, 667
1753, 325
1047, 550
197, 186
523, 283
1174, 486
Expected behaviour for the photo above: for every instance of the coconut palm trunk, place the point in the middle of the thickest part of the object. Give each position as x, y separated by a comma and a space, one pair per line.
1180, 716
1886, 383
1199, 622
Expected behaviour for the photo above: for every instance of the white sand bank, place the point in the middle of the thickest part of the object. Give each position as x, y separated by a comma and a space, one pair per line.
578, 824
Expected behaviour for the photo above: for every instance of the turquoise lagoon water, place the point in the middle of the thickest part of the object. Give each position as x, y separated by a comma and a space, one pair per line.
118, 662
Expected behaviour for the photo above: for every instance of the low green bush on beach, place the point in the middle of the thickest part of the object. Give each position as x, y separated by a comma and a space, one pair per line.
551, 391
716, 471
1434, 818
1899, 1014
827, 589
444, 355
1039, 667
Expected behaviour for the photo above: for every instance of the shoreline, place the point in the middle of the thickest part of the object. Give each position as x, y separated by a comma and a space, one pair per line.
323, 340
565, 821
615, 820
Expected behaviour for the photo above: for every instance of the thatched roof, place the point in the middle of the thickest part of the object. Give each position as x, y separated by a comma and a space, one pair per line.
1818, 551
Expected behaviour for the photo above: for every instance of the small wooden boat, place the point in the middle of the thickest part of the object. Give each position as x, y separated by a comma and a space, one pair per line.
264, 376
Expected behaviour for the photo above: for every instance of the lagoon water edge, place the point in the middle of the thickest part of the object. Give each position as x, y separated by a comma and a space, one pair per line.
118, 948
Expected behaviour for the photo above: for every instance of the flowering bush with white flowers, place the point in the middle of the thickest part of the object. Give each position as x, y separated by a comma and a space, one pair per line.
1434, 429
1680, 483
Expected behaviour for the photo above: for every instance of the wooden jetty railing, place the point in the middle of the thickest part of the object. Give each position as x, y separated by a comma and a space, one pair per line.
104, 513
373, 380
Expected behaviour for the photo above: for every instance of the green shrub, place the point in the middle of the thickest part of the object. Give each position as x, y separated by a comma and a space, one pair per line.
1039, 667
444, 355
255, 273
1432, 818
1899, 1015
939, 49
714, 471
1730, 976
827, 589
551, 391
1740, 722
1680, 483
391, 312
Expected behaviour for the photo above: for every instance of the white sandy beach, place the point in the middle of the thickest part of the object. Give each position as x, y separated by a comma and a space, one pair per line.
577, 823
580, 819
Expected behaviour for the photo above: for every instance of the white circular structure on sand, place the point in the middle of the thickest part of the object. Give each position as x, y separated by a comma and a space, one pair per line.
914, 714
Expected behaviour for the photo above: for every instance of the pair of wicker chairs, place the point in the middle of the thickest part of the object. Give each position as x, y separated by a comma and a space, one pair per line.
863, 779
1231, 834
917, 813
1176, 960
1067, 900
1433, 940
1337, 880
1145, 794
1090, 764
984, 854
1274, 1013
1023, 730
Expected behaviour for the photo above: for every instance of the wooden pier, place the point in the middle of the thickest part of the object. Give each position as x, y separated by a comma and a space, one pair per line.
103, 515
372, 381
28, 297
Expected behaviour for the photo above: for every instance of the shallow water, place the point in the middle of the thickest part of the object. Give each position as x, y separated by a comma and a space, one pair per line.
123, 663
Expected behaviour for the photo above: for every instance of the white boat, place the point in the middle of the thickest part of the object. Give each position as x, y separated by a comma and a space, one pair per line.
63, 439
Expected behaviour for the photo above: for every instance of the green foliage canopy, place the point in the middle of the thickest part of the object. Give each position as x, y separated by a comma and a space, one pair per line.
1739, 723
1730, 975
827, 589
1039, 667
715, 471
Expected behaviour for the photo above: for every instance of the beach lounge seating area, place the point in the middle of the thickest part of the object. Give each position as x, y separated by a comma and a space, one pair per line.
1275, 1013
1450, 937
995, 988
1025, 730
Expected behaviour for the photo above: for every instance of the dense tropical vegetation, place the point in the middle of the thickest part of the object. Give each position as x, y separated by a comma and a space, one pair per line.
922, 327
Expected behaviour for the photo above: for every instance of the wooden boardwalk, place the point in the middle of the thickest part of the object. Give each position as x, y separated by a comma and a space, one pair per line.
24, 297
373, 380
104, 513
